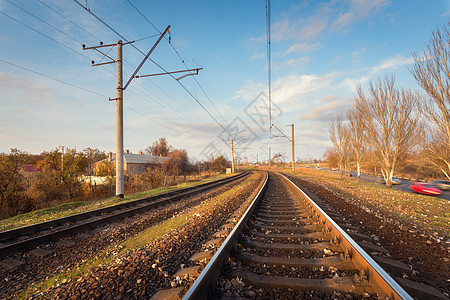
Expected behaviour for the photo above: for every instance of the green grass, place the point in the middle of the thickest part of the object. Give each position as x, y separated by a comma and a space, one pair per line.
68, 209
133, 243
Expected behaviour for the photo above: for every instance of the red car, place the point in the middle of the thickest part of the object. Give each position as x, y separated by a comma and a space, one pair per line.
425, 188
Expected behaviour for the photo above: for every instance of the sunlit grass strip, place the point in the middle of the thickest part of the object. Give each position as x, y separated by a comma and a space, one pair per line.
68, 209
149, 235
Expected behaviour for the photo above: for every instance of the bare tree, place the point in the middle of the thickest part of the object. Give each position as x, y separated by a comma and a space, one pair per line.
432, 72
391, 122
339, 137
357, 136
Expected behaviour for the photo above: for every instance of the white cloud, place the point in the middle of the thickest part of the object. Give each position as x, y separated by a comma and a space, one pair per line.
25, 89
393, 63
250, 90
299, 29
295, 62
351, 83
303, 48
258, 55
328, 111
358, 10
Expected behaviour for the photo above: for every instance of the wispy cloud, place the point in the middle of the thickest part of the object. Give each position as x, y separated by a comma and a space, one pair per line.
327, 112
29, 91
295, 62
250, 90
299, 29
303, 48
287, 88
258, 55
356, 11
393, 63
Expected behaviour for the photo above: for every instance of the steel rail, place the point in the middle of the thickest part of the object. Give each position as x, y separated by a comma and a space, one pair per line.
199, 290
380, 280
109, 214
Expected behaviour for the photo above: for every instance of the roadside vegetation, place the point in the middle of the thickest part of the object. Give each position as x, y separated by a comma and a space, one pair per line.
72, 208
30, 182
419, 213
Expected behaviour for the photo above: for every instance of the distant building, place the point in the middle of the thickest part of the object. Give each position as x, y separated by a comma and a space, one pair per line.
132, 163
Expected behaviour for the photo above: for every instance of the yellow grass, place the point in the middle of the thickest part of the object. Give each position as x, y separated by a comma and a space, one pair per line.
68, 209
431, 214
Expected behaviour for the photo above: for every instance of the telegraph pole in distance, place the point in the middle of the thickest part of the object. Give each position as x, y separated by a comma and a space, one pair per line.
232, 156
293, 152
270, 164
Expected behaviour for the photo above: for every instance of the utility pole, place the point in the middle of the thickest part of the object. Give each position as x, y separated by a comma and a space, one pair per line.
119, 100
257, 163
62, 159
120, 190
270, 163
307, 159
293, 152
232, 156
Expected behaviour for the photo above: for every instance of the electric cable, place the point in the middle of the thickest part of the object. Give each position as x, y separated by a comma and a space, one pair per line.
154, 62
75, 25
181, 59
53, 78
61, 44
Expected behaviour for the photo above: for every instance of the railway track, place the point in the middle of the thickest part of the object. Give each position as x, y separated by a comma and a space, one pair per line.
285, 247
30, 237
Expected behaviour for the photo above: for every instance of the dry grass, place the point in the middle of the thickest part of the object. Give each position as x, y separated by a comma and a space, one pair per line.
68, 209
414, 211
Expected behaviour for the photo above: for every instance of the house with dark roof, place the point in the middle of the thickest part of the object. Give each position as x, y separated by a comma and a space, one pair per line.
133, 163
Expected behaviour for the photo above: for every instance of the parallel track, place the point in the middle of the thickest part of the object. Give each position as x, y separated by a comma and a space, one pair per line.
54, 230
284, 222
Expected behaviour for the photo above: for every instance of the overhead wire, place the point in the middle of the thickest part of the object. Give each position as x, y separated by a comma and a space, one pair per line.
53, 78
50, 77
80, 41
36, 17
154, 62
78, 87
269, 62
73, 23
182, 61
41, 33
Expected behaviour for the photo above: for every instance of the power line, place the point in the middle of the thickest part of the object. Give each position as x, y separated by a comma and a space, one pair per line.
154, 62
75, 25
24, 10
69, 20
53, 78
269, 61
78, 87
173, 109
61, 44
181, 59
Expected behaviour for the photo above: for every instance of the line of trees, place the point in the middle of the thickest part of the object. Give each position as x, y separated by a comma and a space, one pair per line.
387, 125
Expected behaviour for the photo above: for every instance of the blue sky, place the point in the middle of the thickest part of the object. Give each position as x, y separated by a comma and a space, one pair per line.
320, 51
